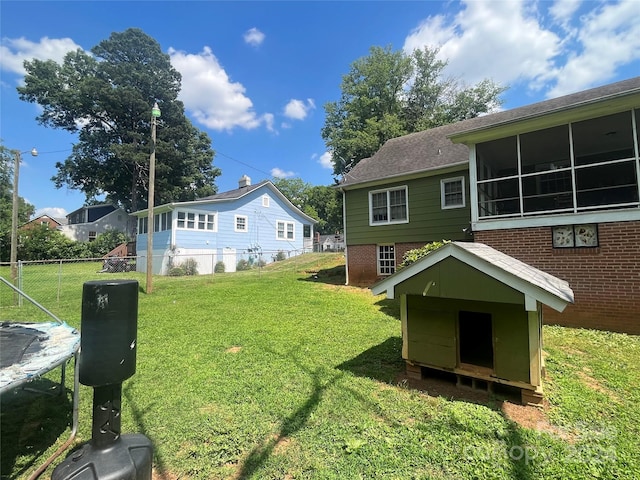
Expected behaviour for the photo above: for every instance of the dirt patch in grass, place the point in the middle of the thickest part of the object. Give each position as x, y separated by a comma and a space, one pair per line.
235, 349
533, 418
593, 384
526, 416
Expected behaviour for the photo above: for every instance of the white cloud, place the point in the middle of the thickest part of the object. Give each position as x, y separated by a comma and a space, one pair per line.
298, 109
254, 37
558, 47
608, 37
563, 10
53, 212
489, 39
211, 97
14, 51
279, 173
326, 160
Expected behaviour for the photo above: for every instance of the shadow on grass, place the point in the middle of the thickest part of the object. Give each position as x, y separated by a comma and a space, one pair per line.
138, 417
390, 307
30, 422
331, 276
290, 425
381, 362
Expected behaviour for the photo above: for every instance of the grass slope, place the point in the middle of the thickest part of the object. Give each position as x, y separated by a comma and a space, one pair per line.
286, 373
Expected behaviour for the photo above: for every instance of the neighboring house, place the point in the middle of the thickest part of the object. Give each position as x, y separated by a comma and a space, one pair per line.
252, 220
86, 223
50, 222
329, 243
554, 184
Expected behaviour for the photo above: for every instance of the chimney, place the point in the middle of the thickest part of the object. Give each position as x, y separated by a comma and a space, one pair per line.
244, 181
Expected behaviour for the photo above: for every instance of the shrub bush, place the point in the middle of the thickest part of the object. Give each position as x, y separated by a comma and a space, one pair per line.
280, 256
176, 272
242, 265
416, 254
190, 266
219, 268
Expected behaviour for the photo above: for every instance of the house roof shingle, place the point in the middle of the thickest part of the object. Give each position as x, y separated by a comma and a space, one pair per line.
433, 149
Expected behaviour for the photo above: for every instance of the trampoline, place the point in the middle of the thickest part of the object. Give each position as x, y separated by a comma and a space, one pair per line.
29, 350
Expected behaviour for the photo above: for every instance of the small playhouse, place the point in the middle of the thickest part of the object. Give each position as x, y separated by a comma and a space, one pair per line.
475, 312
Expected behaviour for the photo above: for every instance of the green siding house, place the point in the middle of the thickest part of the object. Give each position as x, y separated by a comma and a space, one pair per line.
555, 184
413, 191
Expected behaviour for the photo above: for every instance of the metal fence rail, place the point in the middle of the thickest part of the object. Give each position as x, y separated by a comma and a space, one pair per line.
57, 284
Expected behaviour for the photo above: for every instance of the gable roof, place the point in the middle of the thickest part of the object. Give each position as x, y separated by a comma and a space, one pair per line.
441, 147
533, 283
586, 98
413, 153
229, 196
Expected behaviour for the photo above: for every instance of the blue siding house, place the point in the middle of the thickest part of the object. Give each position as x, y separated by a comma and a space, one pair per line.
253, 222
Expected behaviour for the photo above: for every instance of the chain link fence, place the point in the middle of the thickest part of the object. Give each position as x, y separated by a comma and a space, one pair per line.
57, 284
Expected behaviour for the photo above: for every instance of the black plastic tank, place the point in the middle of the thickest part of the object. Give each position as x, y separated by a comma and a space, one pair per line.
108, 357
108, 329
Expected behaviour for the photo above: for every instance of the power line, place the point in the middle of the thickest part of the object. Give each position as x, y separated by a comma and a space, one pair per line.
244, 163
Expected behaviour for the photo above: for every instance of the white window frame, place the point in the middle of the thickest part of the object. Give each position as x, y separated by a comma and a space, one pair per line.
195, 218
385, 270
443, 197
265, 201
246, 224
285, 230
143, 225
388, 192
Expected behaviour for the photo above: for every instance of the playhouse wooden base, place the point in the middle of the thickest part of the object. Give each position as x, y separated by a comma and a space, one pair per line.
475, 380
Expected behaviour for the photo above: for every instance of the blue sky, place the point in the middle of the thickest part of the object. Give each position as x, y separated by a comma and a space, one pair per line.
256, 75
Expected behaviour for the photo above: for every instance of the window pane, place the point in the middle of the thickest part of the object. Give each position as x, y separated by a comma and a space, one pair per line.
497, 158
500, 197
290, 231
549, 191
453, 195
398, 204
191, 220
603, 139
545, 150
156, 223
379, 207
181, 219
280, 229
609, 184
386, 259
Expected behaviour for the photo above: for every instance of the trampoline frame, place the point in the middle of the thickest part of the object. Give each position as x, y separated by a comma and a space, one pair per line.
21, 375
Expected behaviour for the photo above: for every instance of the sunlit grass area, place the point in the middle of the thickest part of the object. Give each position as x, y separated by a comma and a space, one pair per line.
287, 373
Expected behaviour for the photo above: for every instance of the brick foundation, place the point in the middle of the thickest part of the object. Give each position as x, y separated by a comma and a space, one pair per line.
605, 280
362, 261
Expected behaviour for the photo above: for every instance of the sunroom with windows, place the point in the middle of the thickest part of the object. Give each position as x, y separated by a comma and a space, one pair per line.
577, 167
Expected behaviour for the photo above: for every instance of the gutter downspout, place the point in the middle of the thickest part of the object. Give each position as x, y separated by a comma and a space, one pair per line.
344, 233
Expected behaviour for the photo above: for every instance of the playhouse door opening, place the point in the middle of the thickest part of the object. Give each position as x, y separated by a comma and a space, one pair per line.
476, 339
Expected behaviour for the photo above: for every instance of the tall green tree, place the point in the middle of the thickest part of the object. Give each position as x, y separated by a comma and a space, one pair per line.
321, 203
391, 93
106, 97
25, 210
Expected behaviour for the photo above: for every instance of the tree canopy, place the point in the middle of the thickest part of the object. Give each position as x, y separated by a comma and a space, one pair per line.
106, 97
389, 94
25, 210
319, 202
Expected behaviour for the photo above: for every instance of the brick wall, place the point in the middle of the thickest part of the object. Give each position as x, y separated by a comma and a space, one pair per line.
362, 261
605, 280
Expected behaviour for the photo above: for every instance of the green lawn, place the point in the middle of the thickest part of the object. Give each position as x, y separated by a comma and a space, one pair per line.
277, 374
